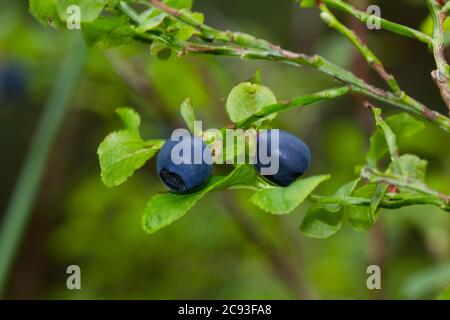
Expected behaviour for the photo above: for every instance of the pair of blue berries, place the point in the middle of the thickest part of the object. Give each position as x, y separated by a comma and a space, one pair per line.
293, 154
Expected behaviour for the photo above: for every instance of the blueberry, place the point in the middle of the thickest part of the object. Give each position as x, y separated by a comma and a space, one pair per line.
13, 83
293, 154
184, 175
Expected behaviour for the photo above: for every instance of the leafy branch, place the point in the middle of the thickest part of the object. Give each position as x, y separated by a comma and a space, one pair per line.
245, 46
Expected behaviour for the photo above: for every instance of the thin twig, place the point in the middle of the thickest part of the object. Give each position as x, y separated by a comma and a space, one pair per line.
385, 24
372, 60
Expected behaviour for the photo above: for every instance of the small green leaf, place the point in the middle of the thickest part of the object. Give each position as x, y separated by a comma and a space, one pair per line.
413, 167
320, 223
161, 50
165, 208
89, 9
130, 119
404, 127
282, 200
187, 112
45, 12
247, 98
123, 152
108, 32
378, 195
323, 220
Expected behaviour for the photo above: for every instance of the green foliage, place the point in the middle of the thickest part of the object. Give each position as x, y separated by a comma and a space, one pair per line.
403, 126
114, 23
165, 208
246, 99
187, 112
123, 152
282, 200
323, 220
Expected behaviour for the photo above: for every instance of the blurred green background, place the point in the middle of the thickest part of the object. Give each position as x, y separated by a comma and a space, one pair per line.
207, 254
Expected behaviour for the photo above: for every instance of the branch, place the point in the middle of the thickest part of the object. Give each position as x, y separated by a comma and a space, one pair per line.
390, 201
385, 24
392, 179
373, 61
294, 103
244, 46
442, 74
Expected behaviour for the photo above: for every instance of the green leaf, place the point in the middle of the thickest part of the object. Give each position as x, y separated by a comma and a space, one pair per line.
359, 216
130, 118
108, 32
320, 223
307, 3
282, 200
165, 208
45, 12
90, 10
184, 32
247, 98
161, 50
123, 152
323, 220
413, 167
378, 195
404, 127
187, 112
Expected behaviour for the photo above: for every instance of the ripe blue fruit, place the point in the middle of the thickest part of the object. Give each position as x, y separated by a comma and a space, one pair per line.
293, 155
188, 175
13, 83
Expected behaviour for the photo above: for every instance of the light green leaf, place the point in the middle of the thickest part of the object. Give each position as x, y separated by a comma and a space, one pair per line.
324, 220
165, 208
187, 112
123, 152
108, 32
130, 118
45, 12
281, 200
404, 127
413, 167
89, 9
378, 195
246, 98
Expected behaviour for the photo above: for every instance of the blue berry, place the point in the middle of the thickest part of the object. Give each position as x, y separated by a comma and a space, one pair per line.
187, 176
13, 83
293, 154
